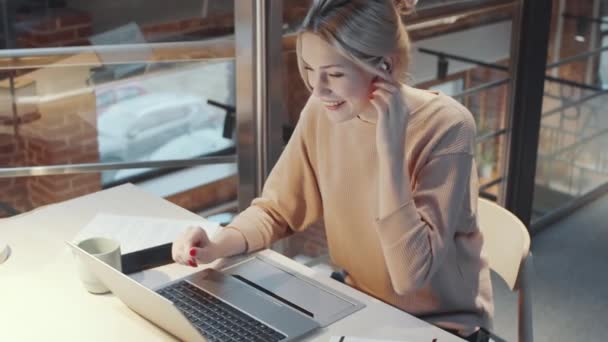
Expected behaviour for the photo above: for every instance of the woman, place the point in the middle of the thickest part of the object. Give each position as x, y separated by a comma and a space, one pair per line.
387, 167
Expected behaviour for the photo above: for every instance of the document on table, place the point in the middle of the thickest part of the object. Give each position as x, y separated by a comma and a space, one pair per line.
360, 339
139, 232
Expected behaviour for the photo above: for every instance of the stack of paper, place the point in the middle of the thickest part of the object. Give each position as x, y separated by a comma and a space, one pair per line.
138, 232
360, 339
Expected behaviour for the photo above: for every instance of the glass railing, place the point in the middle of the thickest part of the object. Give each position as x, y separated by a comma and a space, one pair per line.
572, 163
96, 94
479, 79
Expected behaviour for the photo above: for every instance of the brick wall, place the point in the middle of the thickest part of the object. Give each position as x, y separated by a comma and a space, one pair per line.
14, 192
569, 46
57, 27
208, 195
210, 26
71, 27
488, 106
25, 193
65, 133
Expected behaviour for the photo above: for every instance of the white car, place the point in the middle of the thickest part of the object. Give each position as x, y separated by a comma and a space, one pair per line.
132, 129
110, 94
188, 146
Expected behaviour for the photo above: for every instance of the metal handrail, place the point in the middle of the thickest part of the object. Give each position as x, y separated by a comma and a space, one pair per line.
575, 57
487, 136
505, 68
574, 103
574, 145
490, 184
10, 59
119, 48
481, 87
464, 59
97, 167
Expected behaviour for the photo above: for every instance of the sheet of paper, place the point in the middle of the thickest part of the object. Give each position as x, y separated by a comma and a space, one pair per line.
139, 232
360, 339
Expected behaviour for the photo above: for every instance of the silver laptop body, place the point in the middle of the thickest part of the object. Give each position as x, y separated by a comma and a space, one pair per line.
244, 300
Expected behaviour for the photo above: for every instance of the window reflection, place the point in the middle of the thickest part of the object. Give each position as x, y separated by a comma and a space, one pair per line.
164, 115
98, 81
574, 131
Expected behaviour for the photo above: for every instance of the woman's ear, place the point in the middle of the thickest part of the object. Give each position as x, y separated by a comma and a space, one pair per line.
387, 65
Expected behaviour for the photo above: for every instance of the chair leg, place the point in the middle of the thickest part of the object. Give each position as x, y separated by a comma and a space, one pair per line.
525, 329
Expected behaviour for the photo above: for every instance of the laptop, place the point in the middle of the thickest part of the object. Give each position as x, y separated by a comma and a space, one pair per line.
206, 306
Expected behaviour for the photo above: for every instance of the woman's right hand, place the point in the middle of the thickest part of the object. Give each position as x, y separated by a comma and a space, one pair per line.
194, 247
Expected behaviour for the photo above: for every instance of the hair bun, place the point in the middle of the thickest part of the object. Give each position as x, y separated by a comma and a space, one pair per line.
405, 6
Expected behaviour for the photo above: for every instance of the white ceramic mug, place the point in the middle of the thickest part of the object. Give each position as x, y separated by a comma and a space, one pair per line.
105, 249
5, 251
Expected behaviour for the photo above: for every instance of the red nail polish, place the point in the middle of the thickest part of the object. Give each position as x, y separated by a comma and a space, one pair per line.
191, 263
192, 252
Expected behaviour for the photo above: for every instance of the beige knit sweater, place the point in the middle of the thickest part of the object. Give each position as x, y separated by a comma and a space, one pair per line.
423, 258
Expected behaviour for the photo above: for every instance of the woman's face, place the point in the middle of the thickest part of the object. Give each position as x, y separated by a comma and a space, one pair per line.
341, 85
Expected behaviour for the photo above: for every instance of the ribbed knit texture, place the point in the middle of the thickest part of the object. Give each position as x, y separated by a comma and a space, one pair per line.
425, 257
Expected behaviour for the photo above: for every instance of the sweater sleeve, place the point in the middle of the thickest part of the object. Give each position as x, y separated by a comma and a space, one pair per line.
290, 200
415, 238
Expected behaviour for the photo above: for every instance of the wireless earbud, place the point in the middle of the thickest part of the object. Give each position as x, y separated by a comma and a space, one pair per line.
385, 66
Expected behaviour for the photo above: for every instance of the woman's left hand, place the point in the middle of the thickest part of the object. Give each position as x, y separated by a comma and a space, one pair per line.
393, 116
392, 121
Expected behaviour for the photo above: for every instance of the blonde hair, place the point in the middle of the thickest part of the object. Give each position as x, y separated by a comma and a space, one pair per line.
364, 31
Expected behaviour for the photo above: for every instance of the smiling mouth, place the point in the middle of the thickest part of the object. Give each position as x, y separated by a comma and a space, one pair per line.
333, 105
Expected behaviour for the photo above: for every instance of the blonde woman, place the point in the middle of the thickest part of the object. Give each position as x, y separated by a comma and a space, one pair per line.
388, 168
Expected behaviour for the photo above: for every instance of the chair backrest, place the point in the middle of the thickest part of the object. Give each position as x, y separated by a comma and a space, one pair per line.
506, 240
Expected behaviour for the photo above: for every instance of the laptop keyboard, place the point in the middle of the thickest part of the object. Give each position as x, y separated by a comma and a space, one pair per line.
215, 319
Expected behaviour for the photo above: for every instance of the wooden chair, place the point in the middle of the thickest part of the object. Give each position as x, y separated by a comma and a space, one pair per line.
507, 248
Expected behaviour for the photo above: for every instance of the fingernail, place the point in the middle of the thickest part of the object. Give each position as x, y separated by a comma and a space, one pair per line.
191, 263
192, 252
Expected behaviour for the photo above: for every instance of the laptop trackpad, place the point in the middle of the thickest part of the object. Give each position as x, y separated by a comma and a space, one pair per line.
302, 293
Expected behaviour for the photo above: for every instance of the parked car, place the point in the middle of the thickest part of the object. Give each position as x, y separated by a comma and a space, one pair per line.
132, 129
191, 145
108, 95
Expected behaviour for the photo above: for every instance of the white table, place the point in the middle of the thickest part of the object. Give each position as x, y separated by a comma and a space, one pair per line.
42, 299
